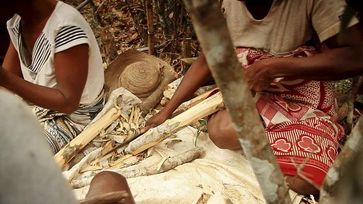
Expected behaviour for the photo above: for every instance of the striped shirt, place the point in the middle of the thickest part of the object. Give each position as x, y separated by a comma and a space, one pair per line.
64, 29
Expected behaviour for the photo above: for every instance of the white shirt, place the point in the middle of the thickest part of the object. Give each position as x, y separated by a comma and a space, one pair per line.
64, 29
288, 24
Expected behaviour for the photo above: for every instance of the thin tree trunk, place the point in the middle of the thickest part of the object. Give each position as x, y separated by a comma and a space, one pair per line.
351, 188
342, 166
150, 26
215, 41
347, 157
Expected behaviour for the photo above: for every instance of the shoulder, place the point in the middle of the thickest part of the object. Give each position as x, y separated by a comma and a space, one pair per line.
326, 17
228, 5
14, 22
69, 27
13, 26
328, 6
66, 15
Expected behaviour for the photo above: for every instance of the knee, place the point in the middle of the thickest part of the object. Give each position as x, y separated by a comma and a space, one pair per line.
221, 131
216, 135
301, 186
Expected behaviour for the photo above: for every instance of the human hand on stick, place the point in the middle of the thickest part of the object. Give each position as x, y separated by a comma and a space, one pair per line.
157, 119
263, 75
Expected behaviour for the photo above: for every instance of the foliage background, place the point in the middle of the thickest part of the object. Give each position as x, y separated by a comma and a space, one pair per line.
120, 25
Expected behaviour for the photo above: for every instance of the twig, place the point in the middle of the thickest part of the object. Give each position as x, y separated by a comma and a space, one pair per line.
83, 4
150, 26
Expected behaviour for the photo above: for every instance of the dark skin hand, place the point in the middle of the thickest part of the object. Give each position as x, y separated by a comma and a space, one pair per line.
197, 74
71, 65
343, 60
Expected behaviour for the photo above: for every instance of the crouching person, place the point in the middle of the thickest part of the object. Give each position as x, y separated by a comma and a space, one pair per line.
295, 94
54, 63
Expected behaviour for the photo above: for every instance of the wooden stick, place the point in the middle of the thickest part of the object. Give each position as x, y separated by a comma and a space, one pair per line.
144, 170
107, 198
155, 135
85, 137
188, 104
150, 26
83, 4
166, 165
182, 108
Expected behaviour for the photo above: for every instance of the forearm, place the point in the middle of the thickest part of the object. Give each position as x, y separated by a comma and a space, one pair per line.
335, 64
195, 77
50, 98
11, 61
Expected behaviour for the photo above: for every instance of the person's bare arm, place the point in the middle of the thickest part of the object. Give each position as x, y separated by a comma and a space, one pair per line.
343, 60
71, 69
197, 74
11, 61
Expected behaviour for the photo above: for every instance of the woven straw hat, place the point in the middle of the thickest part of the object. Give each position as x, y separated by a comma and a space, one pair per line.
138, 72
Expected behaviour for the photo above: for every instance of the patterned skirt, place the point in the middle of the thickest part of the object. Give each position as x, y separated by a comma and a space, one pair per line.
60, 128
300, 120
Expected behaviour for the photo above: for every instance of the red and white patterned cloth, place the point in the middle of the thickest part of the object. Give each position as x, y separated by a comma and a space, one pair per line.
300, 120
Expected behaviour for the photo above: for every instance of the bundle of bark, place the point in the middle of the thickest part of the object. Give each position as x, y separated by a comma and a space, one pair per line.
115, 140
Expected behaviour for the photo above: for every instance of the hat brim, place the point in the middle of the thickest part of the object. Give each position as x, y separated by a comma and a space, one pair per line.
115, 69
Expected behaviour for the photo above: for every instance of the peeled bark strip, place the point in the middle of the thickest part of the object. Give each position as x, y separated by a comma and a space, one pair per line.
85, 137
144, 170
342, 165
215, 41
168, 164
192, 102
155, 135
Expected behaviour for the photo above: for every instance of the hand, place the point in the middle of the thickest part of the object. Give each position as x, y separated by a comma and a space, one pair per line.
156, 120
260, 75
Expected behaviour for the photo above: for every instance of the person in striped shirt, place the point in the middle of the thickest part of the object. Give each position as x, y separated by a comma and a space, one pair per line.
54, 63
